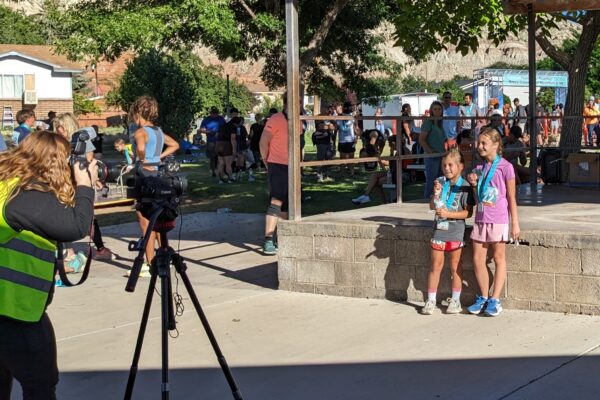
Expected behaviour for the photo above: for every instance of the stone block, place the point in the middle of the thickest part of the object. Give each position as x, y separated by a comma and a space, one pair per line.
286, 285
374, 250
334, 248
516, 304
518, 258
369, 293
469, 284
562, 240
286, 269
590, 262
312, 271
578, 289
304, 287
530, 286
354, 274
589, 310
555, 260
551, 306
334, 290
299, 247
412, 253
394, 276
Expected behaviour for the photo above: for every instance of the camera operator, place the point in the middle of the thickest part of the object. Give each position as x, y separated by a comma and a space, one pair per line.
149, 143
67, 126
40, 206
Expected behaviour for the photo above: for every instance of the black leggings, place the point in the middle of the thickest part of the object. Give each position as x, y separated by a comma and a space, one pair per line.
97, 236
28, 353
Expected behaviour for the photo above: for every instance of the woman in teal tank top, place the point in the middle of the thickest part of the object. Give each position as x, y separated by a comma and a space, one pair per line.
151, 146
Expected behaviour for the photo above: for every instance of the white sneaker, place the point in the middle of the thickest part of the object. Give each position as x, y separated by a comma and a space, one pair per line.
454, 306
362, 199
428, 308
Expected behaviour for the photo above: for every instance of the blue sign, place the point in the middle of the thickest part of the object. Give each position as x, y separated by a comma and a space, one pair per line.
543, 79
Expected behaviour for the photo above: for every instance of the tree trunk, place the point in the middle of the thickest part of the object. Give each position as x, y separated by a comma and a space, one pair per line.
571, 128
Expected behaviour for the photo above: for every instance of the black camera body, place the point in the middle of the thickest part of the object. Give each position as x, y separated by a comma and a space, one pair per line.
154, 190
78, 153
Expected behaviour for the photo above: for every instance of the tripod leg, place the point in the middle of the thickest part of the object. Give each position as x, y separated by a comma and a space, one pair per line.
181, 269
166, 299
140, 339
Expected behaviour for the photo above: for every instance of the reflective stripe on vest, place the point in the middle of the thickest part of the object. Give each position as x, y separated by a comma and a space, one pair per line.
26, 267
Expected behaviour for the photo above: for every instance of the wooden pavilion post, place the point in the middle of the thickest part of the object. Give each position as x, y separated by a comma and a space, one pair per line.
293, 109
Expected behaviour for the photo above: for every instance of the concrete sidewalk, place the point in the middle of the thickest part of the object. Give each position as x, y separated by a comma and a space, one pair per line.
283, 345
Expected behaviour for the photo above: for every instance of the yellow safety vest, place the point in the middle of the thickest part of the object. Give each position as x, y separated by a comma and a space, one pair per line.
27, 263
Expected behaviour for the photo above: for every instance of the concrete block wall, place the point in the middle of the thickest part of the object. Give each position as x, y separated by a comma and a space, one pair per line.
557, 272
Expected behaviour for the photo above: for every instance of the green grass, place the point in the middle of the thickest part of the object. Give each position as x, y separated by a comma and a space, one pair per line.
206, 194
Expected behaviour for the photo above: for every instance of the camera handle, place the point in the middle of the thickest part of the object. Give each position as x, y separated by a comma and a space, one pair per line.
160, 268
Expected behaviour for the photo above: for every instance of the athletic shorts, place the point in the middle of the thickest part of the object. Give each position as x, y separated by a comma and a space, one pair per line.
489, 233
348, 148
440, 245
278, 183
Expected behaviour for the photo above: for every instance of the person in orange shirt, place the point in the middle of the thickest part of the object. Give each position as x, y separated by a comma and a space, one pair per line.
591, 121
274, 152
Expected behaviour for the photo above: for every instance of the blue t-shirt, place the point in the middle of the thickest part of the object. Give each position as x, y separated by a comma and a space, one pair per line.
20, 133
450, 125
346, 131
213, 126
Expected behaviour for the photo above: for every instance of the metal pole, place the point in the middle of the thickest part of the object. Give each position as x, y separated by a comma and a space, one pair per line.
293, 109
228, 105
532, 95
399, 135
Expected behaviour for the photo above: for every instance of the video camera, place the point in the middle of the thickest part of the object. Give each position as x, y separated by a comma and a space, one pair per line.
158, 189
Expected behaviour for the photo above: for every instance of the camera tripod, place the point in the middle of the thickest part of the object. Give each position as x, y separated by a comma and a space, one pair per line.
160, 268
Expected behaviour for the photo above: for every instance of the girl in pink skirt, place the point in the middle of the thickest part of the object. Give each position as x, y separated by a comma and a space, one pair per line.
496, 219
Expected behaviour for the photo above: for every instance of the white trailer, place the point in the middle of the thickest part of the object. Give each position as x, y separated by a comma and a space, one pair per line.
419, 102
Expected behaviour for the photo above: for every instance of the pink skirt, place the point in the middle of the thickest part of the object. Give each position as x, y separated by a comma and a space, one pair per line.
490, 233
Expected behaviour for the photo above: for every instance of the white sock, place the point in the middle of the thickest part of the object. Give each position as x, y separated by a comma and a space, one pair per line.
456, 295
431, 296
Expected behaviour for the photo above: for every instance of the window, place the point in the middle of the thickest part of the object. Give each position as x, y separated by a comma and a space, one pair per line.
11, 86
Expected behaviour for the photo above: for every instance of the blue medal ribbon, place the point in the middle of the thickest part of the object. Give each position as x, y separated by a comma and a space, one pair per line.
453, 190
484, 182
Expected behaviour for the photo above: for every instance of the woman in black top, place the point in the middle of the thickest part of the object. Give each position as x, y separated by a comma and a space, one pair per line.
45, 203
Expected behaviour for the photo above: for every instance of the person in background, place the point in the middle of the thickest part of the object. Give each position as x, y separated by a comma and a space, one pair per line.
591, 120
322, 139
432, 139
256, 130
348, 136
520, 114
468, 109
98, 142
274, 151
26, 121
240, 144
49, 121
408, 125
67, 126
42, 203
211, 126
450, 126
127, 149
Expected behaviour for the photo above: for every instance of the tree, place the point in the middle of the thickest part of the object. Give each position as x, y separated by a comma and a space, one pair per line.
338, 39
182, 86
424, 27
81, 91
19, 29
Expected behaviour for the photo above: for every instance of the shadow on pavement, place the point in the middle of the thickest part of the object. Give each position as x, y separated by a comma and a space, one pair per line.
492, 378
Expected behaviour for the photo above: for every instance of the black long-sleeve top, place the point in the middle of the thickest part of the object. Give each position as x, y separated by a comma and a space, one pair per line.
42, 214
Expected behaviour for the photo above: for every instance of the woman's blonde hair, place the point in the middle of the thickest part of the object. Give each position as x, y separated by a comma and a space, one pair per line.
68, 122
494, 136
41, 163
